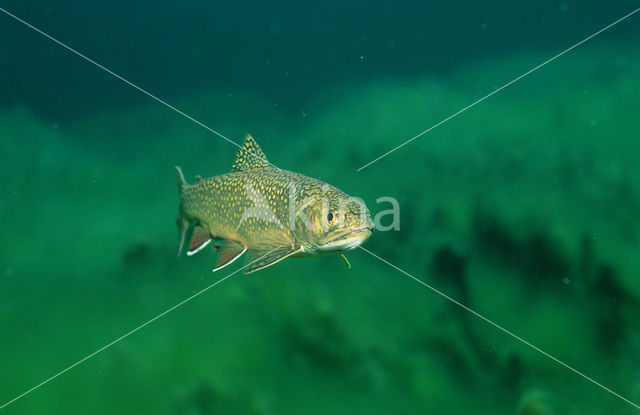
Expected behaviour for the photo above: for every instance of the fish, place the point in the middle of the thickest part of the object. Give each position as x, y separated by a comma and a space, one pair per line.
268, 213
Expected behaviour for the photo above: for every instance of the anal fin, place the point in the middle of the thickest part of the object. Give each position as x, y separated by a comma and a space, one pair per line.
260, 258
199, 239
228, 252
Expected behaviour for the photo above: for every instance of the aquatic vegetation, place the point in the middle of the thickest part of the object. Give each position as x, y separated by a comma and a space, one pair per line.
536, 402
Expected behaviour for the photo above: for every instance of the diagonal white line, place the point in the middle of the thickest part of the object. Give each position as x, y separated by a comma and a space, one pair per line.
498, 90
129, 333
364, 166
496, 325
128, 82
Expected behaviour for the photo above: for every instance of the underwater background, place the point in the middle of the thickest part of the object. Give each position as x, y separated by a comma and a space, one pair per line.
524, 208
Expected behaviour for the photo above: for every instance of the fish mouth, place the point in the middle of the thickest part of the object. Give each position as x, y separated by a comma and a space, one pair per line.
348, 240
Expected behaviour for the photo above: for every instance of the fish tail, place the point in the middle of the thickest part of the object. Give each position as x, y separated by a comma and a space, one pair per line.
181, 181
183, 223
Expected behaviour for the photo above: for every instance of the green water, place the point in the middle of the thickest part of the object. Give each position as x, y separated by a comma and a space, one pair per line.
523, 208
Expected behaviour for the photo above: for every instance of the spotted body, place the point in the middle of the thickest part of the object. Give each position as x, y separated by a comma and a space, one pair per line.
267, 212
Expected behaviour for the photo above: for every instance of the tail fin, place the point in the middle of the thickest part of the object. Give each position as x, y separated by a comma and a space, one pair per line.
183, 223
181, 181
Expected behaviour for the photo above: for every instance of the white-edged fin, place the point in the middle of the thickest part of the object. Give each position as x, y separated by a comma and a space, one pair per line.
259, 258
199, 239
198, 248
228, 252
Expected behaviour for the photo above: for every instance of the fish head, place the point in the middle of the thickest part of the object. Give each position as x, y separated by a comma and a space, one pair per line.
333, 222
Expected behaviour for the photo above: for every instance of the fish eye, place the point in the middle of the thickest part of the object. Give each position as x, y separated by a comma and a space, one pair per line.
331, 218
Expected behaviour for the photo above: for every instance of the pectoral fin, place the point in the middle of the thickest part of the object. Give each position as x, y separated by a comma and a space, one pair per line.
259, 258
228, 252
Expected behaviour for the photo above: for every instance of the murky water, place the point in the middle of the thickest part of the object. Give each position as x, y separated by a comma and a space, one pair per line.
522, 208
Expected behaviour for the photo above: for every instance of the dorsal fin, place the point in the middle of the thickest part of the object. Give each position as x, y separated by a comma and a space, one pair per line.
250, 156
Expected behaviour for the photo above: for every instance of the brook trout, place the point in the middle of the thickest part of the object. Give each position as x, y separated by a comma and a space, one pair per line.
269, 213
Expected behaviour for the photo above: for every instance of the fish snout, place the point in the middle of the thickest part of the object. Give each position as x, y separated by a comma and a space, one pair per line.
370, 226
